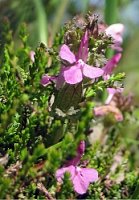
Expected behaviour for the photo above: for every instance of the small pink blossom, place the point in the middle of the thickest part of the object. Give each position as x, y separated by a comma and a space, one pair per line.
112, 92
32, 56
106, 109
77, 64
46, 80
80, 177
116, 32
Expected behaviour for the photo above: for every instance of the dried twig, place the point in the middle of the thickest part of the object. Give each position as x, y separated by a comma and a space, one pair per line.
41, 187
13, 169
4, 160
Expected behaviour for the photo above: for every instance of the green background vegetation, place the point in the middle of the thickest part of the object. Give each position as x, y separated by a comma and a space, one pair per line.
25, 118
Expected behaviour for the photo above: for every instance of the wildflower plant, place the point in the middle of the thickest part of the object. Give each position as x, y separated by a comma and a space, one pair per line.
52, 102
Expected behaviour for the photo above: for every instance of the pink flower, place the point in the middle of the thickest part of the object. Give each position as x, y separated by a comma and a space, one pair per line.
108, 68
46, 80
77, 64
80, 177
116, 32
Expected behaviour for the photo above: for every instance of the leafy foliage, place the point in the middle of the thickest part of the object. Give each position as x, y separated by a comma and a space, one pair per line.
37, 135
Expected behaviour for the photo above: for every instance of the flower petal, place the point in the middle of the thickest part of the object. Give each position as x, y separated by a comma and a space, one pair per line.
116, 31
92, 72
84, 176
117, 47
81, 148
83, 49
46, 80
79, 185
80, 151
60, 172
112, 63
75, 161
66, 54
73, 74
109, 98
32, 55
111, 92
89, 175
106, 109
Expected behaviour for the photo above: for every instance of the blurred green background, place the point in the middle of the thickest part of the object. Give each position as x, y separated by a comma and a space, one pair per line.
44, 18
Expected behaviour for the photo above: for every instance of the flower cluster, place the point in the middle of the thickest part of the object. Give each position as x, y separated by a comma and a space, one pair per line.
74, 66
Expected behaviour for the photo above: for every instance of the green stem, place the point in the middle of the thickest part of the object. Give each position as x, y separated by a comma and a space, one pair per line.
58, 16
111, 10
42, 21
57, 145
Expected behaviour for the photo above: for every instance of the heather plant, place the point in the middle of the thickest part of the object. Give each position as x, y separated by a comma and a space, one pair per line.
64, 117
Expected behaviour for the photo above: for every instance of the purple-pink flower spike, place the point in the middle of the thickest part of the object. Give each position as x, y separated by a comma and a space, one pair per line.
80, 177
74, 74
